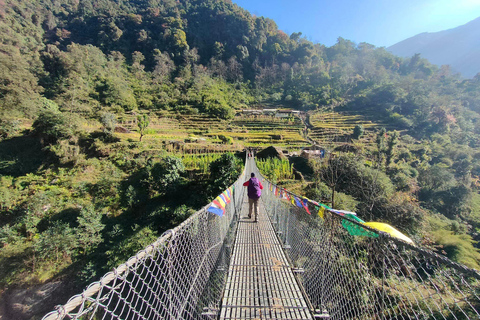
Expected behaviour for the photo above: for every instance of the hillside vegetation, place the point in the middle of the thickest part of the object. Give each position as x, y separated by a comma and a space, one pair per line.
110, 110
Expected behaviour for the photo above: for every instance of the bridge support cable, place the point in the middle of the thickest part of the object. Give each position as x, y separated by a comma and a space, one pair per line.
180, 276
350, 271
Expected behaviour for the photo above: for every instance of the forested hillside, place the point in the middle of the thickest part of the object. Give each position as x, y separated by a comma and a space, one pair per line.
102, 102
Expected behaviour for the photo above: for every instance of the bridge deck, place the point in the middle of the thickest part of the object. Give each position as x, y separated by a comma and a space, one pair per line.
260, 283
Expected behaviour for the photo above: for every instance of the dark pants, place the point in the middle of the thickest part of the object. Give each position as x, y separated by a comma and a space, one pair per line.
251, 204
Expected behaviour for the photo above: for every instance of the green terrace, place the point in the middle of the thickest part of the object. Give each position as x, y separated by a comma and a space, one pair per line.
202, 134
336, 127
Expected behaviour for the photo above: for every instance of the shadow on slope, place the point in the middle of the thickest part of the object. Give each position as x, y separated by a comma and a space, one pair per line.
20, 156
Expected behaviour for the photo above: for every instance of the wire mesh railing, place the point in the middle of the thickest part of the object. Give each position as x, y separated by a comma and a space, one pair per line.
346, 270
350, 271
180, 276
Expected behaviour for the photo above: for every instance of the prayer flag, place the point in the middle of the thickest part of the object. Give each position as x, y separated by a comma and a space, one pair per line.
223, 201
215, 210
297, 202
229, 193
217, 207
356, 230
305, 205
321, 211
343, 212
227, 197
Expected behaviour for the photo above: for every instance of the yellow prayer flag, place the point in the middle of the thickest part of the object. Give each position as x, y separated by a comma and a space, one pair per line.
220, 200
321, 211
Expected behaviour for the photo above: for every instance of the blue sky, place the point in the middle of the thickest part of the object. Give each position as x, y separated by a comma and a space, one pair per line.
379, 22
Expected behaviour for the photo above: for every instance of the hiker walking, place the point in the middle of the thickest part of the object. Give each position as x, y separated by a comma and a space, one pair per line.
254, 191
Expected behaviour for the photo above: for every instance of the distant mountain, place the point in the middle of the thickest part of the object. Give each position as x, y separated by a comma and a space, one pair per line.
458, 47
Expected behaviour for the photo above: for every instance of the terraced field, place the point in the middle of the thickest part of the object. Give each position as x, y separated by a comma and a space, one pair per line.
200, 133
267, 130
335, 128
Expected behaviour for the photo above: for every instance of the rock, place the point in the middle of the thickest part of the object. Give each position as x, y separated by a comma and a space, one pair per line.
271, 152
121, 129
297, 175
23, 304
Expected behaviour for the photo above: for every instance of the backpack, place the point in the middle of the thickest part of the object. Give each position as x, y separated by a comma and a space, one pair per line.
253, 189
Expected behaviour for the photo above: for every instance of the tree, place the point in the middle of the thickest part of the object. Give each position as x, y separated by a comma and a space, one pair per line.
392, 142
57, 241
380, 141
109, 121
165, 175
358, 131
142, 121
225, 139
223, 172
115, 90
436, 178
332, 173
8, 128
90, 227
54, 125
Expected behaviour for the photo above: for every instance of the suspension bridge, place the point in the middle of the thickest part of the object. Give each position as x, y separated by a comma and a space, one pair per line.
289, 265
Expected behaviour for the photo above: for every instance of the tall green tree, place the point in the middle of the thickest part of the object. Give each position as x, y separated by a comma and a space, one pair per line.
143, 121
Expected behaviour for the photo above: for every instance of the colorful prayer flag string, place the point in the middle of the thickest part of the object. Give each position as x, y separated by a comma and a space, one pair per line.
218, 205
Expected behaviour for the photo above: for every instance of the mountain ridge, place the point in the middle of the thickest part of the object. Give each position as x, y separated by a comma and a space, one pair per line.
458, 47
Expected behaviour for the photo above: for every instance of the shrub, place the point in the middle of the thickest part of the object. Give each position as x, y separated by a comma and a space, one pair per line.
458, 247
165, 175
223, 172
357, 131
52, 126
89, 229
130, 244
345, 202
225, 139
187, 109
58, 241
8, 128
109, 122
400, 121
318, 192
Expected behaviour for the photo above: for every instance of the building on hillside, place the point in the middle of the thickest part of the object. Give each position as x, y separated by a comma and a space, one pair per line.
252, 112
270, 112
286, 113
313, 151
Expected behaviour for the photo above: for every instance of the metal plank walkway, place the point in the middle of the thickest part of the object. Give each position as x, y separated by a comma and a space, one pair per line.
260, 283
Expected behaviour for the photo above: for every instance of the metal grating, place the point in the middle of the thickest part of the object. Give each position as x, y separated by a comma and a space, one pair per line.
260, 283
